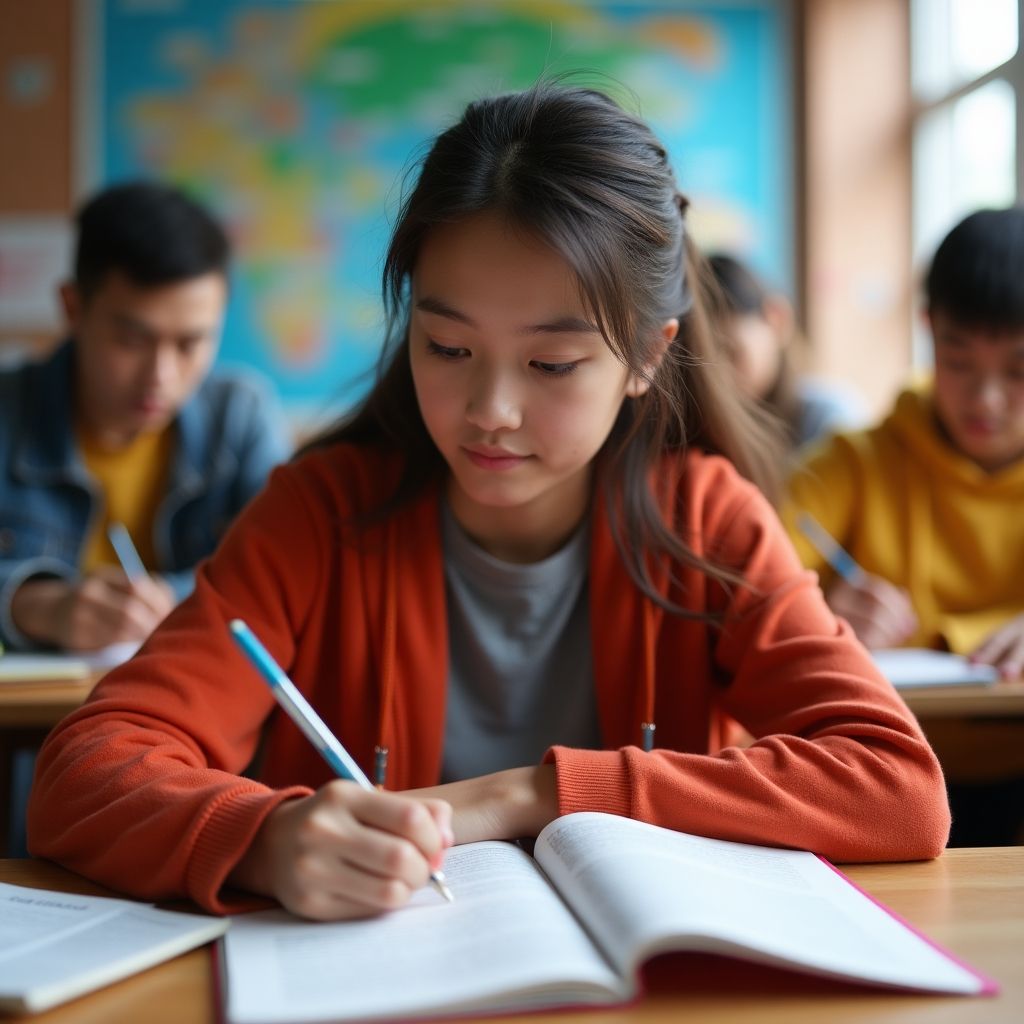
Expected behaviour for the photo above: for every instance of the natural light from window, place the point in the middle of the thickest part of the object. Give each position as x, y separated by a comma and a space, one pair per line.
968, 82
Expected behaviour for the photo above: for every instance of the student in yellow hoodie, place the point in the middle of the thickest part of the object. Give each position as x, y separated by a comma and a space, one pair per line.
930, 502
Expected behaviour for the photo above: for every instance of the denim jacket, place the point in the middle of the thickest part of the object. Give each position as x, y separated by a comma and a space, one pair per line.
230, 434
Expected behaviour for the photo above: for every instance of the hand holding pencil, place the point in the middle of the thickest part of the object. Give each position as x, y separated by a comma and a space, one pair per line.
879, 612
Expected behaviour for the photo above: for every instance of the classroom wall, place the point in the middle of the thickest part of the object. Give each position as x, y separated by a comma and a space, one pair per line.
854, 286
36, 42
857, 284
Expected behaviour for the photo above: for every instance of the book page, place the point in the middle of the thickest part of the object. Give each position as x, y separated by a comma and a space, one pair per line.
643, 889
910, 667
507, 942
54, 946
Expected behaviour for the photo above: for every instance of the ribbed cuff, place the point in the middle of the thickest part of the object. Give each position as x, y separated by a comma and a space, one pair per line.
591, 780
226, 834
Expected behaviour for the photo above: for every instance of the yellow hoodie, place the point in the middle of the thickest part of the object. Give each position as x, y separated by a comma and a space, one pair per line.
910, 508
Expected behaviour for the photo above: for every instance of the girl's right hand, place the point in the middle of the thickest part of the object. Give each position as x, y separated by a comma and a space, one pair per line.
345, 851
880, 613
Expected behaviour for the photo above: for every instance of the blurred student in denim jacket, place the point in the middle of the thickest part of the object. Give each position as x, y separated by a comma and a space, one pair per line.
125, 423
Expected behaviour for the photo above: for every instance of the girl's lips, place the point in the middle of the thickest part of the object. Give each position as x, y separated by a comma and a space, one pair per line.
495, 460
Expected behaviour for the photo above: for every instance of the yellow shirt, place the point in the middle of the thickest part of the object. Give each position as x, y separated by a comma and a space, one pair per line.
131, 481
910, 508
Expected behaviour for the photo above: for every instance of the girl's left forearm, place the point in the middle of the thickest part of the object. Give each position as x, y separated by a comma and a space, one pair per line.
511, 804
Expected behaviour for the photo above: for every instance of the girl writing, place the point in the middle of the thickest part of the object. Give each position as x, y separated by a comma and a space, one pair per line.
526, 577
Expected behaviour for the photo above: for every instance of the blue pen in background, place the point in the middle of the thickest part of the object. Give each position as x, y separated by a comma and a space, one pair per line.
831, 550
301, 712
121, 541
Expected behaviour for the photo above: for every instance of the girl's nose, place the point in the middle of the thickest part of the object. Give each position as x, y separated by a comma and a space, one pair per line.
492, 404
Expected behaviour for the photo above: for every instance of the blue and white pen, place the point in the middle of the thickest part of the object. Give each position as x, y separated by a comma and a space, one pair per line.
301, 712
831, 550
121, 541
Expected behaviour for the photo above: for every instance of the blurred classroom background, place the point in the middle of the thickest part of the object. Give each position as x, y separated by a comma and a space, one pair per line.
829, 142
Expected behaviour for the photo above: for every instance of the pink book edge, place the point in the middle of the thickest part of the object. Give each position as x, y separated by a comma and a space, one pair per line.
990, 986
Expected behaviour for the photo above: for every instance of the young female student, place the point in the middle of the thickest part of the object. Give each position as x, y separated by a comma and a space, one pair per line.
759, 331
530, 556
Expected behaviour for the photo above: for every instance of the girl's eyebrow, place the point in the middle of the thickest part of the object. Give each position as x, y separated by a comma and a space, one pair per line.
568, 324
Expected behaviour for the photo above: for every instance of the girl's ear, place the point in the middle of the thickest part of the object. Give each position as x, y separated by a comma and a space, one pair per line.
639, 384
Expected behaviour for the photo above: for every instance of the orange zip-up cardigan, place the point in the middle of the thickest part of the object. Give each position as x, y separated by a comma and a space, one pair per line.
141, 788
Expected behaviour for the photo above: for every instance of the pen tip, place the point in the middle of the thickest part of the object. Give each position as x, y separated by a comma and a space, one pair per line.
437, 879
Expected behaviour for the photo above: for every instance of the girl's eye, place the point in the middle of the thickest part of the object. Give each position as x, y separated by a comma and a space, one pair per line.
555, 369
445, 351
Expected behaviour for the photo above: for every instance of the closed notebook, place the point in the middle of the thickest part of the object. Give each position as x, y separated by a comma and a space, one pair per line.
912, 667
572, 928
55, 946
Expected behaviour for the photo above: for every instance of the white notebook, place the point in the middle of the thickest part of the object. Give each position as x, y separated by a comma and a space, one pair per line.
17, 668
573, 927
55, 946
33, 666
913, 667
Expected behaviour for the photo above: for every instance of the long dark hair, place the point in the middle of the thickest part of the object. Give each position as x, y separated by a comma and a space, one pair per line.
574, 169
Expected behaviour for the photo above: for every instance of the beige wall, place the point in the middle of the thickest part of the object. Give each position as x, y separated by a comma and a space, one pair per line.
36, 133
855, 206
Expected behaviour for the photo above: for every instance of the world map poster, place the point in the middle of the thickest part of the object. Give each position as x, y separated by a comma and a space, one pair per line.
299, 120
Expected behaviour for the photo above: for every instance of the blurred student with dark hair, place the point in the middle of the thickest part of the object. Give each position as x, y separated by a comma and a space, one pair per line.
124, 423
929, 502
758, 329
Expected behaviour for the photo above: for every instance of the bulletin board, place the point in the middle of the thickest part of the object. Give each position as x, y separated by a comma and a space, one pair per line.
295, 120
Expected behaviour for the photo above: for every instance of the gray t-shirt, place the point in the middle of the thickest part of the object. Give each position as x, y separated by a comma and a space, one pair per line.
520, 675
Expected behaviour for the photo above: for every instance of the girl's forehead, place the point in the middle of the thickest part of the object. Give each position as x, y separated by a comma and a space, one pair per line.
481, 260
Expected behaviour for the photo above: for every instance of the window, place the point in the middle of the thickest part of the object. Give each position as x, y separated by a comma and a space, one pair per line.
968, 139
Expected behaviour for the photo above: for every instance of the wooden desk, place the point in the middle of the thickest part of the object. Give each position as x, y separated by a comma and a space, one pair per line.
28, 711
977, 731
970, 901
1004, 699
40, 703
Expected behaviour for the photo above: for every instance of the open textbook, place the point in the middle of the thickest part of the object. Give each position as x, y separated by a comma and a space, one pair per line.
913, 667
55, 946
573, 927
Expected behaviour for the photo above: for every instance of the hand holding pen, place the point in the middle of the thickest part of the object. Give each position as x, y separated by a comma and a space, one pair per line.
880, 613
152, 596
104, 606
344, 851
